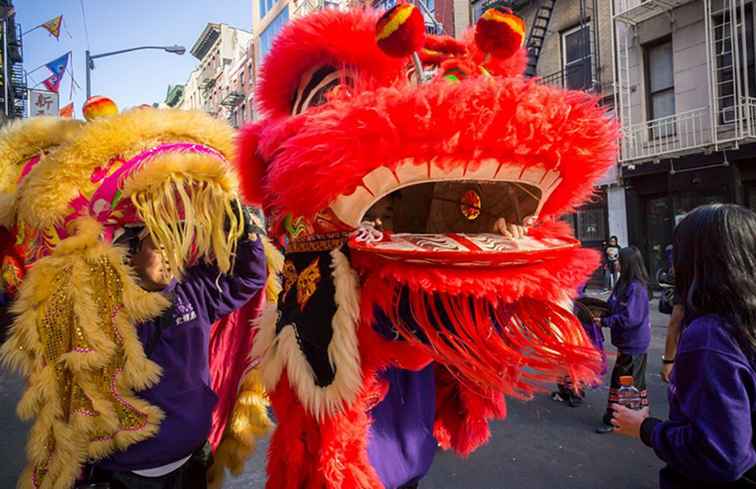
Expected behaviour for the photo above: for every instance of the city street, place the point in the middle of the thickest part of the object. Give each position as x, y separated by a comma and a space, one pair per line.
541, 445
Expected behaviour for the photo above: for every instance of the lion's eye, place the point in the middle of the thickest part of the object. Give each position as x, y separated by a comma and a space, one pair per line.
315, 86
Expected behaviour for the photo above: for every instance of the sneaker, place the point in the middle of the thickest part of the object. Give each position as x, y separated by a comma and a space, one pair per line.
604, 428
556, 396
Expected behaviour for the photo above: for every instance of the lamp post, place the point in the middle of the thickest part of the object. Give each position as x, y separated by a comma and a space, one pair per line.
91, 57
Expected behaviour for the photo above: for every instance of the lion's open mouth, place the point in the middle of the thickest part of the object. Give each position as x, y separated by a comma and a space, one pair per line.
446, 210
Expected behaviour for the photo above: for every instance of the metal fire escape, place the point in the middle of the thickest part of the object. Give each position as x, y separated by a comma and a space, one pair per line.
723, 120
18, 91
537, 34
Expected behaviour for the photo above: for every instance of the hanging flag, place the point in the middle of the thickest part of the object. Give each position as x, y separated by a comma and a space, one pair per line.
53, 83
67, 111
58, 66
53, 26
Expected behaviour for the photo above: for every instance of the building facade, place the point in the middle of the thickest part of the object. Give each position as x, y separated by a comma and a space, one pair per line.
686, 96
221, 51
13, 91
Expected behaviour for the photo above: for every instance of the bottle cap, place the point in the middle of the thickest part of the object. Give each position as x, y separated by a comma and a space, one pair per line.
626, 380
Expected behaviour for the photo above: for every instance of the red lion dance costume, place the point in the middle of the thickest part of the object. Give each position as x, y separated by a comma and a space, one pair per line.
385, 339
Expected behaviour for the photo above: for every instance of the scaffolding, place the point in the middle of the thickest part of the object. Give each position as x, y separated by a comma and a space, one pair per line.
726, 120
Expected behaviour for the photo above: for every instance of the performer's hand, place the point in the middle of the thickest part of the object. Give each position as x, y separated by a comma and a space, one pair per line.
666, 371
628, 421
509, 230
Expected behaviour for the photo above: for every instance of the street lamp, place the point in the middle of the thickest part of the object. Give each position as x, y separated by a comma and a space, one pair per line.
175, 49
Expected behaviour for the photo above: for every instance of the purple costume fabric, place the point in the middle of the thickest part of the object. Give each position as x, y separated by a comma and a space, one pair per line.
712, 400
181, 350
630, 319
401, 445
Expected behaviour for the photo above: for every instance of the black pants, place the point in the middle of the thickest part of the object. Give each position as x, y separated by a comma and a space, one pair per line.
191, 475
634, 365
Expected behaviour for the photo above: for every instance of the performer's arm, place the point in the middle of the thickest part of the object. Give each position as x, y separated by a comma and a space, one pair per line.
223, 293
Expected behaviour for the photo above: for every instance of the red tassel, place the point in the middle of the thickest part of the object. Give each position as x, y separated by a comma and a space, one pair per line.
513, 349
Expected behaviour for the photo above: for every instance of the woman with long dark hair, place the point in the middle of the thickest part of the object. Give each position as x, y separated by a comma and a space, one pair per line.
708, 440
630, 324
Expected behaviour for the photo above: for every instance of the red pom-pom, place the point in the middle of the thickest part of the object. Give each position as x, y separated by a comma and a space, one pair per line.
401, 31
499, 32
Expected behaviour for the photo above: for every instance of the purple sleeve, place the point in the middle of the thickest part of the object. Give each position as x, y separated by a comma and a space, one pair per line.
712, 439
216, 294
628, 313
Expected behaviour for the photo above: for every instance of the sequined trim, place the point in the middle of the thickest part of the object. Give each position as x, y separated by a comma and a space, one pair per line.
318, 243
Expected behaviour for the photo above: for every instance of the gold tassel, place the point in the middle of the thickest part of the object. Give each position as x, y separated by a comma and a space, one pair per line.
206, 208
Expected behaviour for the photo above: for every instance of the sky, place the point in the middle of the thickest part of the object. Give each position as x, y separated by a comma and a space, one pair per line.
130, 79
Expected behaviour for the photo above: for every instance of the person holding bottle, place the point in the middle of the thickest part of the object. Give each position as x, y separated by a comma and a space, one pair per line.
630, 324
707, 442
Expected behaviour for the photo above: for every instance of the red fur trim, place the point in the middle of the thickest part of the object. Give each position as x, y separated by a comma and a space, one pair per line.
462, 415
508, 119
328, 37
249, 165
305, 454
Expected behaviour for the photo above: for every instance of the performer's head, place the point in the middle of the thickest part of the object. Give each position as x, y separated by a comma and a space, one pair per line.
148, 260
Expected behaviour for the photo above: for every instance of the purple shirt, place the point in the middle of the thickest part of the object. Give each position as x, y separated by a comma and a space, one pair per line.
630, 319
181, 350
712, 398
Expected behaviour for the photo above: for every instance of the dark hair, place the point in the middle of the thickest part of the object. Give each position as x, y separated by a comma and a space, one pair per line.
715, 266
613, 238
632, 268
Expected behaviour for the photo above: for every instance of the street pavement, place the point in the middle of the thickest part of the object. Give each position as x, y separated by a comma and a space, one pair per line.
541, 445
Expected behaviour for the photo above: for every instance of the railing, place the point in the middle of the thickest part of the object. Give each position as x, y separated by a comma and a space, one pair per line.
667, 135
750, 112
575, 77
635, 11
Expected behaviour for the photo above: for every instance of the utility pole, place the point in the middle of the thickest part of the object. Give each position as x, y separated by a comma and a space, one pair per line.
6, 80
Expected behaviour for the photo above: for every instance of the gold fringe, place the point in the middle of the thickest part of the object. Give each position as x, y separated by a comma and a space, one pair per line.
248, 422
203, 189
74, 340
275, 261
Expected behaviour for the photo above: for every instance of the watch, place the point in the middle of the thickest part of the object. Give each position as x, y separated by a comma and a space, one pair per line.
667, 361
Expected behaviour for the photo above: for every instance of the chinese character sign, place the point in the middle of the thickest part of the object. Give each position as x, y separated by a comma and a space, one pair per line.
42, 102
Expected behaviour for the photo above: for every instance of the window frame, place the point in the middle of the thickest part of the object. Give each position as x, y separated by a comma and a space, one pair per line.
563, 46
649, 95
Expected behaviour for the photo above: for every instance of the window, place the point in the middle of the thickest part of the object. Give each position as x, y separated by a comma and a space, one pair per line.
270, 32
726, 93
241, 79
660, 88
577, 60
265, 6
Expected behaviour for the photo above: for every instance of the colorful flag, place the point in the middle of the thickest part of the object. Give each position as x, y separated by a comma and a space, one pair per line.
67, 111
58, 66
53, 83
53, 26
